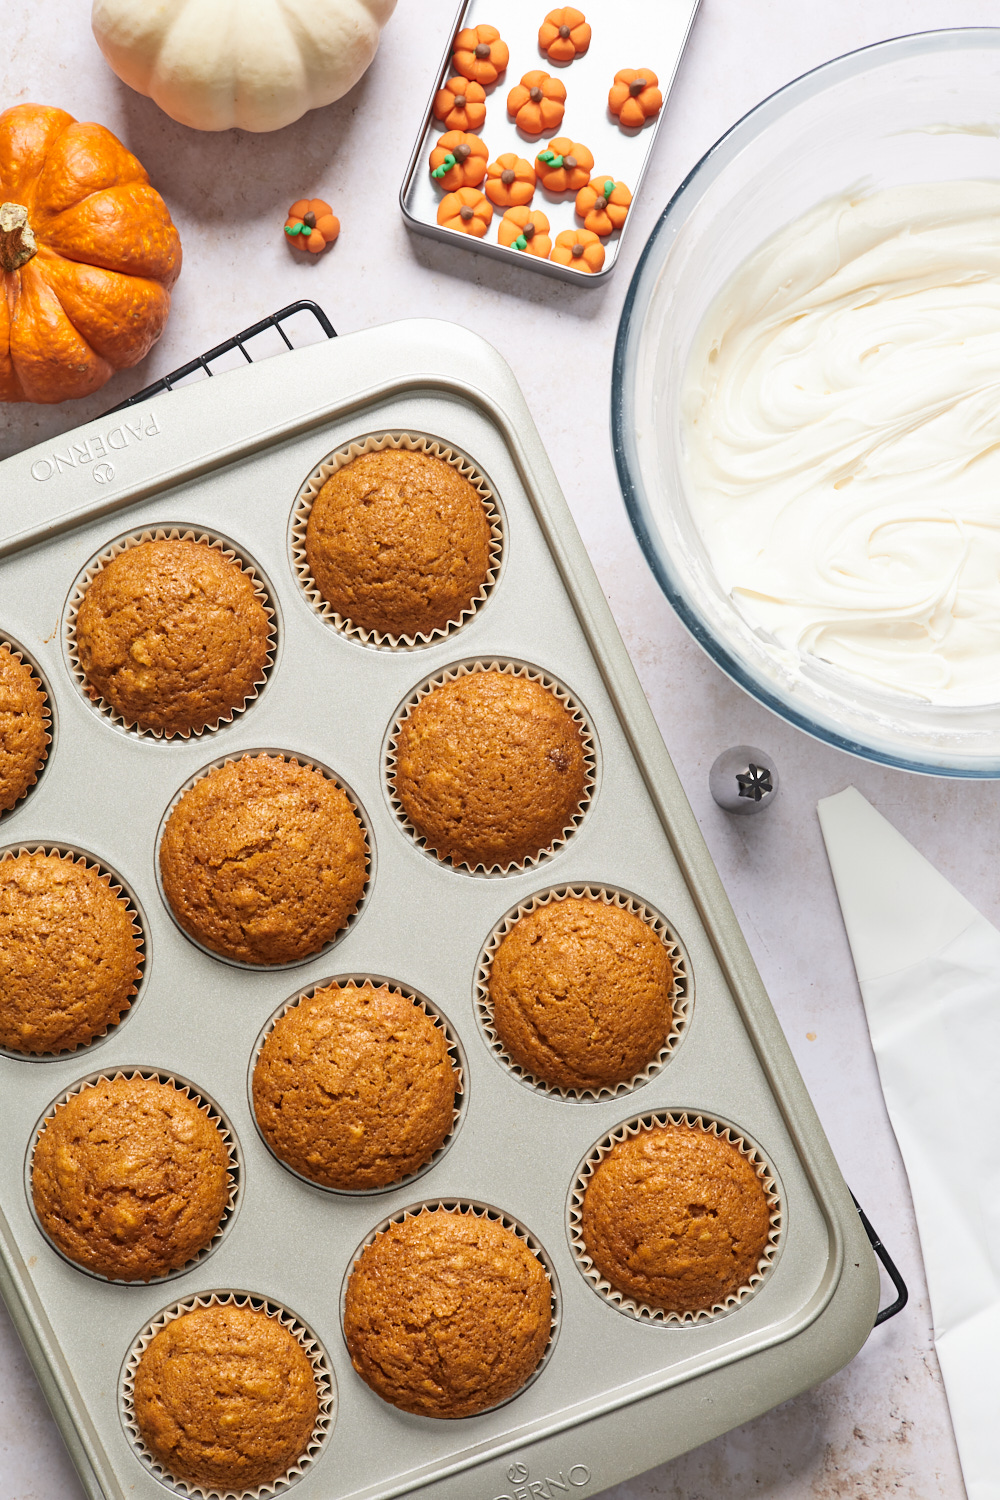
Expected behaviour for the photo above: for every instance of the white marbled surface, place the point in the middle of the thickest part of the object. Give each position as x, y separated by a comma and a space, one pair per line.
880, 1428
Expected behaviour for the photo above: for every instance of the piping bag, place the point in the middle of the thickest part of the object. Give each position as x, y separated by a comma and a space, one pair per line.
929, 968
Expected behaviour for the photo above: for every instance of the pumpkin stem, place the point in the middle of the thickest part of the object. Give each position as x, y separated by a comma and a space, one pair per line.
17, 242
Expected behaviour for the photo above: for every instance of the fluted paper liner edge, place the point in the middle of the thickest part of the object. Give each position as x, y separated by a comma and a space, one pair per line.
438, 1019
19, 654
302, 510
479, 1210
205, 1104
97, 565
326, 1392
513, 668
681, 993
641, 1311
115, 884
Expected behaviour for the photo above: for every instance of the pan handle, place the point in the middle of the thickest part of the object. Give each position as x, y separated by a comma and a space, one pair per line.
902, 1295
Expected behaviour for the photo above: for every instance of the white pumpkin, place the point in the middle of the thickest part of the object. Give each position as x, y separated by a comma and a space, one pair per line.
258, 64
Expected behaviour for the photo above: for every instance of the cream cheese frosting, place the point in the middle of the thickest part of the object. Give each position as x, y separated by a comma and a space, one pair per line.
841, 434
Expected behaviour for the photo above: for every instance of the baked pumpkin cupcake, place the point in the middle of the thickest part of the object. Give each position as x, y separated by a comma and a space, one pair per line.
676, 1218
264, 860
130, 1178
225, 1398
172, 634
582, 993
399, 542
490, 768
447, 1314
69, 953
24, 735
354, 1087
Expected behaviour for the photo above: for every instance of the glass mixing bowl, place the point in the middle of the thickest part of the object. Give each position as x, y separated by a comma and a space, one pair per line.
916, 109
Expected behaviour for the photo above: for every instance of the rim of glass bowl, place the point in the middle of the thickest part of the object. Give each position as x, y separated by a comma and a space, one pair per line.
705, 171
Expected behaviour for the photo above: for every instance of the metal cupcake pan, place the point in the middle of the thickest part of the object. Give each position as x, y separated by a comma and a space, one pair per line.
616, 1394
622, 29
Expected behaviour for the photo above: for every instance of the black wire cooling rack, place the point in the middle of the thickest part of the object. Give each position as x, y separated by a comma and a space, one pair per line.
239, 341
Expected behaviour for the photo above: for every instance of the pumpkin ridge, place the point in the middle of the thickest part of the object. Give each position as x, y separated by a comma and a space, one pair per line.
150, 257
39, 261
38, 345
120, 342
22, 188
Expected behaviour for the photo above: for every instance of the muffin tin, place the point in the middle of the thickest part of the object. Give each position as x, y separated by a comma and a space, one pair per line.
626, 34
616, 1394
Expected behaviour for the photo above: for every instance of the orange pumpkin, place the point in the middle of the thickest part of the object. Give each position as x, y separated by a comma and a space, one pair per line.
526, 229
311, 225
466, 210
88, 255
603, 204
510, 181
461, 104
459, 160
564, 167
580, 249
634, 97
537, 103
479, 53
564, 34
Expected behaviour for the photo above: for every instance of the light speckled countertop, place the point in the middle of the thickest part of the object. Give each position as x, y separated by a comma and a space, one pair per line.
880, 1428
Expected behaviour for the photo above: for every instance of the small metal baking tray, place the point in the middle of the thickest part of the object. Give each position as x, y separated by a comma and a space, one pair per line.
622, 30
617, 1393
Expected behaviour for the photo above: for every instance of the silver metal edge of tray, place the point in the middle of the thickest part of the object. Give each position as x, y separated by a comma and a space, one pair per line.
833, 1326
501, 252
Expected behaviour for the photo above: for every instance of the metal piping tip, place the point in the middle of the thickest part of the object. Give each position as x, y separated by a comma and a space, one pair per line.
743, 779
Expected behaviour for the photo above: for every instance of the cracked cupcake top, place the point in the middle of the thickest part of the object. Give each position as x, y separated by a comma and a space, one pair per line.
263, 860
447, 1314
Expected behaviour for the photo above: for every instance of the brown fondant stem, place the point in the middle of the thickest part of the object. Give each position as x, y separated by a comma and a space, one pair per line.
17, 243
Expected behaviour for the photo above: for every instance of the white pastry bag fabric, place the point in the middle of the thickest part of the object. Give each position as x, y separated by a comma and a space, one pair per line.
929, 968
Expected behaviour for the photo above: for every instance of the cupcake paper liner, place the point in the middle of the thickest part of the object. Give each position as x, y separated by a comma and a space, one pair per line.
302, 509
97, 565
313, 764
682, 993
205, 1104
19, 654
454, 1052
326, 1391
128, 899
514, 669
477, 1210
620, 1300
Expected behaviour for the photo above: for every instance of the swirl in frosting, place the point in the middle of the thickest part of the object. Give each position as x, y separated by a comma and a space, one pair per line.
841, 424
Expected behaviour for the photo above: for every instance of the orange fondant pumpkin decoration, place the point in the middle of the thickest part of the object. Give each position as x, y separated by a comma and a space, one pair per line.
479, 53
564, 34
578, 248
526, 229
510, 181
564, 166
459, 160
538, 103
311, 225
461, 104
467, 210
88, 255
634, 97
603, 204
